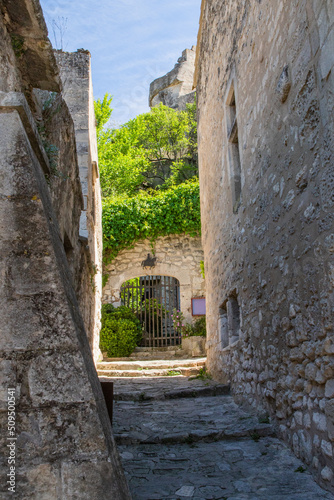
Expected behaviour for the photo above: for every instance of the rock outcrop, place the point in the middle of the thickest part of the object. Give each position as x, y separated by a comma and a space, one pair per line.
175, 89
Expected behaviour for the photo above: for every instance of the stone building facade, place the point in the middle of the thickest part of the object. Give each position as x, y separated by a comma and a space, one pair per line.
64, 446
175, 89
178, 256
265, 92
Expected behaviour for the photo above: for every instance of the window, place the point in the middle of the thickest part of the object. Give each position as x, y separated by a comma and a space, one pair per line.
233, 149
223, 326
229, 321
233, 315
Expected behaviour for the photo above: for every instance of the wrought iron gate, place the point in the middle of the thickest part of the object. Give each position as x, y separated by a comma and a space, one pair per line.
152, 299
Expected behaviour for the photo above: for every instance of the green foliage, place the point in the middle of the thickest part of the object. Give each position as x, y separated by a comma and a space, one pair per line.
202, 375
50, 108
173, 373
103, 112
122, 312
198, 329
131, 297
178, 320
121, 331
148, 176
155, 311
126, 220
52, 153
153, 306
18, 45
49, 102
105, 277
202, 268
155, 149
106, 310
118, 337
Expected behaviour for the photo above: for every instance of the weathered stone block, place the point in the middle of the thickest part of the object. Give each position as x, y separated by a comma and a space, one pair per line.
194, 346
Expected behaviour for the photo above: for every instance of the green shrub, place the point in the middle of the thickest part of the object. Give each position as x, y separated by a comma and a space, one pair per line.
105, 311
112, 328
200, 327
118, 337
124, 312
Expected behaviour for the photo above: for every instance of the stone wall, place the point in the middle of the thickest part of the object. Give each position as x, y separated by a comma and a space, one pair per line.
265, 82
64, 446
177, 255
175, 89
75, 72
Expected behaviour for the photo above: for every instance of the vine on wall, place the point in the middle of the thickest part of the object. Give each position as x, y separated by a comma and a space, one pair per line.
160, 213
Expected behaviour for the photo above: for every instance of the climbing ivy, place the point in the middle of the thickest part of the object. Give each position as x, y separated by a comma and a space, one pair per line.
150, 215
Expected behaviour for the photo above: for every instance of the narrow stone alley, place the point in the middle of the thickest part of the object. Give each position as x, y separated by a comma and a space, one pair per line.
183, 437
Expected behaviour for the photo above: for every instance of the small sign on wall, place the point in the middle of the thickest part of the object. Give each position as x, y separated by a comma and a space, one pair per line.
198, 307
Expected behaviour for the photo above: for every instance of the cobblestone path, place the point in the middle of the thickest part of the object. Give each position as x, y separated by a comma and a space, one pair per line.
181, 439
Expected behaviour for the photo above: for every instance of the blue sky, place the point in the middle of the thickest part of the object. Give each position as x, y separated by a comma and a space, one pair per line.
132, 42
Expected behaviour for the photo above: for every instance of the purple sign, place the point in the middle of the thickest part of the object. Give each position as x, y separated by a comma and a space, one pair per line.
198, 306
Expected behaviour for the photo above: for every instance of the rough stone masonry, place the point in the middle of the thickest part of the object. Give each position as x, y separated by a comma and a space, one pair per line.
177, 255
265, 90
61, 445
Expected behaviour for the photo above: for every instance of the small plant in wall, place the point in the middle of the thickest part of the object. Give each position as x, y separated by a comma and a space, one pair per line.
201, 264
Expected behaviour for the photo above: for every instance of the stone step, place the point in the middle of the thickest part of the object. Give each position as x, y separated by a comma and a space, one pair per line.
157, 349
152, 368
146, 389
153, 353
253, 431
179, 354
196, 392
151, 364
185, 371
187, 420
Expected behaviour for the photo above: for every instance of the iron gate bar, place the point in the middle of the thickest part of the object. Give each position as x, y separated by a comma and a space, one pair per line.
152, 299
161, 343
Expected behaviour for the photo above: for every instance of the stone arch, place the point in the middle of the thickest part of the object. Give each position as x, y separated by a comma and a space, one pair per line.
178, 256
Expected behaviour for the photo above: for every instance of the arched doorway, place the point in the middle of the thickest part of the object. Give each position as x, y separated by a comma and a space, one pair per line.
152, 299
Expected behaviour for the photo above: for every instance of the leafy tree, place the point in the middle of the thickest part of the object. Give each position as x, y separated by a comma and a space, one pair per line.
103, 112
157, 149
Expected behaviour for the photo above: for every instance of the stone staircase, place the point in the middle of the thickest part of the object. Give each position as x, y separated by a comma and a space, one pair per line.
152, 362
153, 353
185, 437
182, 438
131, 367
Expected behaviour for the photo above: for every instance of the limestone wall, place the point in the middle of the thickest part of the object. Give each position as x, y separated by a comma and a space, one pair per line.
175, 89
75, 72
265, 85
62, 440
178, 256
